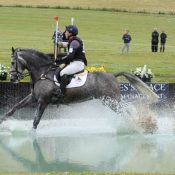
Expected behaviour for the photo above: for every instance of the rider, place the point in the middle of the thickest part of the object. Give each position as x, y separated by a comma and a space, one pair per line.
75, 60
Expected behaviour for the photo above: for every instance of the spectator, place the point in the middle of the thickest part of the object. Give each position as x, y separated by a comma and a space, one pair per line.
126, 39
163, 37
60, 36
60, 39
155, 40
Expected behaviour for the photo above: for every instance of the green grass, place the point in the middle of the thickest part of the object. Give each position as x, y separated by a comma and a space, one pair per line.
153, 6
83, 173
101, 32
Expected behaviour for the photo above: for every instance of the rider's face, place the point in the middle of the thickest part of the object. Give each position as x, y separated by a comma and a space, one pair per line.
67, 34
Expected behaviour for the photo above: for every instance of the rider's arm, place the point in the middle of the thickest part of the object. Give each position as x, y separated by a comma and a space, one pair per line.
71, 53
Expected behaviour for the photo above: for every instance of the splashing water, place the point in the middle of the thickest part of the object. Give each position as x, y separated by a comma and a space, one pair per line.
91, 117
89, 136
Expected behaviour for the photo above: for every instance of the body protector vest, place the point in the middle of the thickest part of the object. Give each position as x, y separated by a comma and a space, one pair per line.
78, 53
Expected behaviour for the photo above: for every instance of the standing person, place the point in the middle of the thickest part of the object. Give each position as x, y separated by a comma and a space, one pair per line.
75, 60
126, 39
163, 37
61, 38
155, 40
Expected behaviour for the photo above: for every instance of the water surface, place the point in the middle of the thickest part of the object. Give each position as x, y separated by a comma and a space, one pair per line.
86, 137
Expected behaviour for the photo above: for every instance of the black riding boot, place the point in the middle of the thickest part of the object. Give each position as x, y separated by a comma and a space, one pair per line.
57, 73
63, 83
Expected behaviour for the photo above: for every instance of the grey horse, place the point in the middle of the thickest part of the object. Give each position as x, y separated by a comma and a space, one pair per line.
42, 68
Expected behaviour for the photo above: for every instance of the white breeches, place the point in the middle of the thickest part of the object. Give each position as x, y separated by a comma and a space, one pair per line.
73, 67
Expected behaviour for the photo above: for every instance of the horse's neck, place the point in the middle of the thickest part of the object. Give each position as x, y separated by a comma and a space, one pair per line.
37, 66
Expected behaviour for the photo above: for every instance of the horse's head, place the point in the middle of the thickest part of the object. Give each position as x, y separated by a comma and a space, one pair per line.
34, 61
17, 67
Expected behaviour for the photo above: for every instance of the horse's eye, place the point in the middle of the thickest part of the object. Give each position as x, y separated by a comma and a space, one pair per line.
12, 63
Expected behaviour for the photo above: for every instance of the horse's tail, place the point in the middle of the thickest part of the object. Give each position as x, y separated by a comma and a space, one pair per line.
139, 85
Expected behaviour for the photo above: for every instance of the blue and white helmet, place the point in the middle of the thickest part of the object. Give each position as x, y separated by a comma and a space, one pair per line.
72, 29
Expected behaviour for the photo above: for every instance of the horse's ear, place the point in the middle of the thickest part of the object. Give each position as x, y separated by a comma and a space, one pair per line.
13, 50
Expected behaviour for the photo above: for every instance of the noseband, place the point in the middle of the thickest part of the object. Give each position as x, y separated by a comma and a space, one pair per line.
14, 62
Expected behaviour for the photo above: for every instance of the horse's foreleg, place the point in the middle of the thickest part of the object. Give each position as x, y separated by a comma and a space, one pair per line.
38, 114
28, 99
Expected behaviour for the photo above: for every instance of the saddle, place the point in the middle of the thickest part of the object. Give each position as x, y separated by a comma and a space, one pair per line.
76, 80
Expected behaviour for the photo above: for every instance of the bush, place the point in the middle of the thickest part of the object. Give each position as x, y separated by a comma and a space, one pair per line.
143, 73
3, 72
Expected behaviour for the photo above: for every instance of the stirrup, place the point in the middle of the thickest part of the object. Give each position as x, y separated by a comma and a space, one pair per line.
61, 95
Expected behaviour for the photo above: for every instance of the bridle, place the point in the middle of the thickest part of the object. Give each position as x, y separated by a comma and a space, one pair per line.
16, 73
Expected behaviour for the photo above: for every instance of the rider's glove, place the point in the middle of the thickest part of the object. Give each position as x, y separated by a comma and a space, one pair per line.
59, 61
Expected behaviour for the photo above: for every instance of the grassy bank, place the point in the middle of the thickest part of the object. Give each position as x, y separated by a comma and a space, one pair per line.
153, 6
84, 173
101, 32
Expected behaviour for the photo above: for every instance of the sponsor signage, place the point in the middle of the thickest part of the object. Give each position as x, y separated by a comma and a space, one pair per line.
161, 89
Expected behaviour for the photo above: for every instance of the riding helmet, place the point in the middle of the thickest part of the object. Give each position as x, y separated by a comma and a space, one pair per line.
72, 29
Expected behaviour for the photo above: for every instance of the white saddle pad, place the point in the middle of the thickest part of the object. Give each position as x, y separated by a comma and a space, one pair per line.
77, 81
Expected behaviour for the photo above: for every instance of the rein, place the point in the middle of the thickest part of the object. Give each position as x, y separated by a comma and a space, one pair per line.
29, 73
44, 76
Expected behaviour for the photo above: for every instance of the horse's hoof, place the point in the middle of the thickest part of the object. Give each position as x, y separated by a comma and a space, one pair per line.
33, 133
10, 113
34, 127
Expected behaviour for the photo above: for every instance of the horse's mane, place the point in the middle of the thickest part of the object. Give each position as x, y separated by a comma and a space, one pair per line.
36, 52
